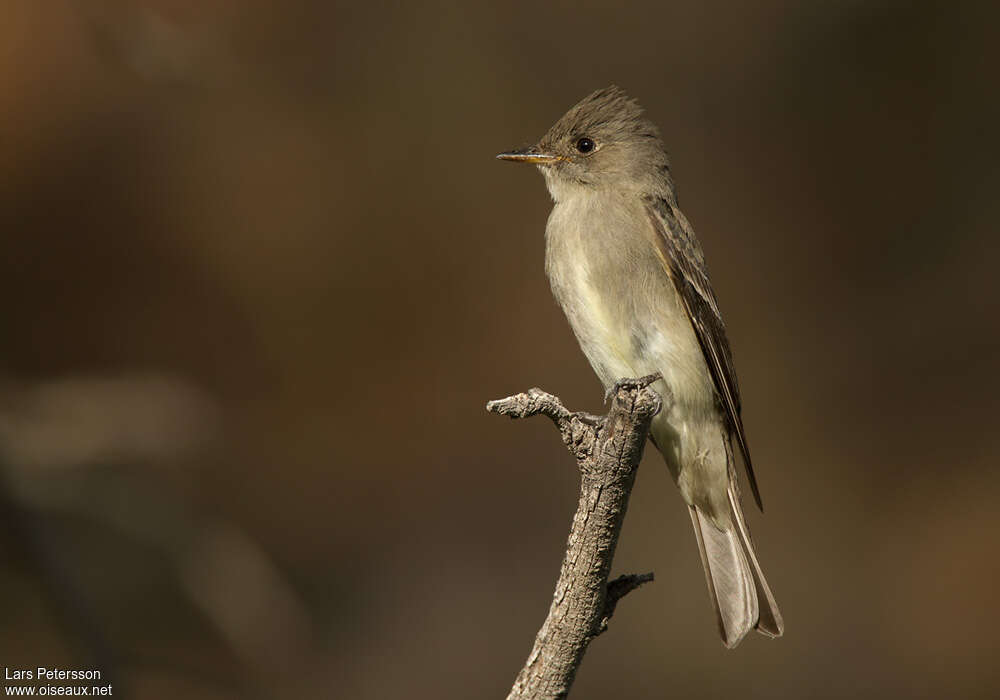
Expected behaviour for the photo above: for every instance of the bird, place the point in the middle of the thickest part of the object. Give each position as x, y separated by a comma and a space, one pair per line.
626, 267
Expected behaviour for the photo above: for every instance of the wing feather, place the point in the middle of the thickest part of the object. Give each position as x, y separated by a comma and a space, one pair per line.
685, 264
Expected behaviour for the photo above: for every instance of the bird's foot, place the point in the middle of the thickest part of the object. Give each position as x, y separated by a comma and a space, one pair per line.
631, 383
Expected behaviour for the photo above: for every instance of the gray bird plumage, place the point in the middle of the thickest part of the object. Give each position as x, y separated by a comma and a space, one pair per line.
627, 269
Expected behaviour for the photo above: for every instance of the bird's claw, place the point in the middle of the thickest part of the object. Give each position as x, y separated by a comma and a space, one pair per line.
631, 383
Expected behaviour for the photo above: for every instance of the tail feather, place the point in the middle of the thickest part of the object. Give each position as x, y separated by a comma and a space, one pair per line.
728, 576
770, 623
736, 584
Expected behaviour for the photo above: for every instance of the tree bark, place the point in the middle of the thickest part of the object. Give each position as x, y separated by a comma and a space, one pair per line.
607, 450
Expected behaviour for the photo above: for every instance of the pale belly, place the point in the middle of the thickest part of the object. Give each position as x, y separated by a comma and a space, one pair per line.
630, 322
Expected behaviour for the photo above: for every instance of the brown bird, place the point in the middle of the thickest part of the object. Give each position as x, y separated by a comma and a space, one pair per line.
627, 269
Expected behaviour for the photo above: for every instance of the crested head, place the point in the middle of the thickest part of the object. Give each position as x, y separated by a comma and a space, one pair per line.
608, 113
604, 141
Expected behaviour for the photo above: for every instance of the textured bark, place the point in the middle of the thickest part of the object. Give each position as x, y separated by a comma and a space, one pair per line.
607, 450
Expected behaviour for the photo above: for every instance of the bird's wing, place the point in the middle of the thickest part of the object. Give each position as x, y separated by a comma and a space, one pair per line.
685, 264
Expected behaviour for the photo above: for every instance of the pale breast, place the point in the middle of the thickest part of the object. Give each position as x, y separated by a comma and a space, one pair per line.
618, 298
630, 322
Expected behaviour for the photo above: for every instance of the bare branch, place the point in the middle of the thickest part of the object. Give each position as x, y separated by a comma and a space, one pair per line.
607, 450
618, 589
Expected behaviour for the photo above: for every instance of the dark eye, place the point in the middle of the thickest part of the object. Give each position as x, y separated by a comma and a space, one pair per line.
585, 145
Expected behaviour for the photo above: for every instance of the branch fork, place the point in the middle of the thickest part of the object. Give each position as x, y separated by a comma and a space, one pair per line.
608, 450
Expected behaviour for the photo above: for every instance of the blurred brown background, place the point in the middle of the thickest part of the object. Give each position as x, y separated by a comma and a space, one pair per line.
260, 272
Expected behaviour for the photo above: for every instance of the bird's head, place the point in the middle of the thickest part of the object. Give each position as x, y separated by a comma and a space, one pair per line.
603, 141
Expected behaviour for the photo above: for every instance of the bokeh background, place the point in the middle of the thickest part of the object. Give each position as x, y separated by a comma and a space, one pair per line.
259, 273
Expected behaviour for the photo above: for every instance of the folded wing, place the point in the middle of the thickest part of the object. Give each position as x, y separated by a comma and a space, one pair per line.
685, 264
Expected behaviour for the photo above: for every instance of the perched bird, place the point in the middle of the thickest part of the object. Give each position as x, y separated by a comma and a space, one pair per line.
628, 271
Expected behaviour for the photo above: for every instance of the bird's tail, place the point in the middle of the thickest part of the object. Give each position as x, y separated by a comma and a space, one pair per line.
736, 584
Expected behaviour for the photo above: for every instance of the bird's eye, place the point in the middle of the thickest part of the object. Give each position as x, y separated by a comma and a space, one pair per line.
585, 145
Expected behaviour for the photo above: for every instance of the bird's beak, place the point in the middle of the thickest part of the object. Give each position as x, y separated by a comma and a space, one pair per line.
529, 155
